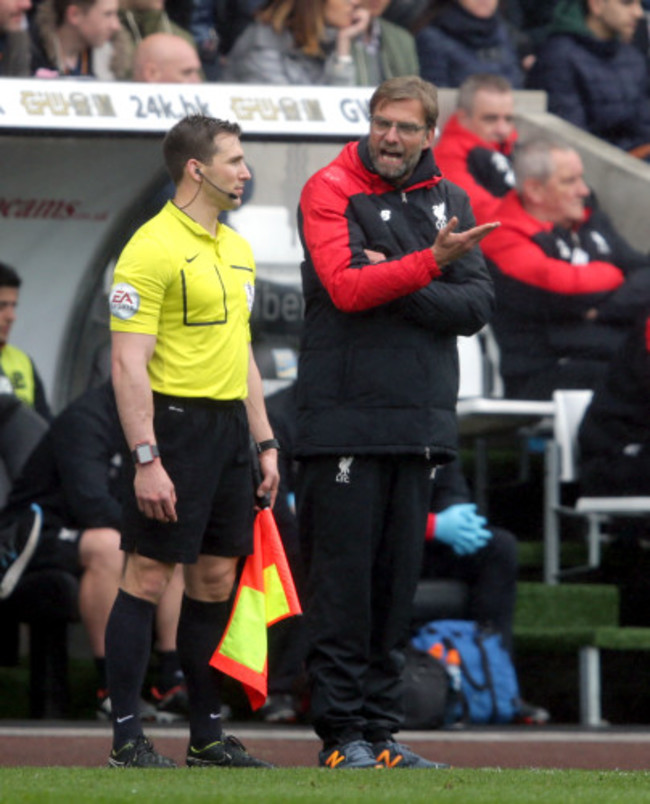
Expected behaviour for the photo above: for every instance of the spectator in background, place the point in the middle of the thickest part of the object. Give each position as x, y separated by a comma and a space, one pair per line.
568, 286
614, 436
614, 455
14, 38
163, 58
593, 76
531, 20
405, 13
462, 546
74, 476
299, 42
383, 50
475, 147
21, 428
18, 374
216, 26
144, 17
457, 38
80, 38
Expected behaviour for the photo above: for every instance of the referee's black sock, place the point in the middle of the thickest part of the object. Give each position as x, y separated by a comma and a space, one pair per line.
128, 649
200, 628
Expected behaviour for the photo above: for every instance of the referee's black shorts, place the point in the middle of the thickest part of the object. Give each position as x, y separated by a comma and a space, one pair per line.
204, 448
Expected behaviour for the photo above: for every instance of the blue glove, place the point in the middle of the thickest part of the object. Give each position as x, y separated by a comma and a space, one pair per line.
462, 529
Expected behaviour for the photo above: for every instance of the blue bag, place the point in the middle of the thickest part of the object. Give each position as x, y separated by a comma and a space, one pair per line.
489, 690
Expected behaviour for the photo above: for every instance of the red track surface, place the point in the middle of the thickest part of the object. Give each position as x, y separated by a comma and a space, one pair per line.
87, 744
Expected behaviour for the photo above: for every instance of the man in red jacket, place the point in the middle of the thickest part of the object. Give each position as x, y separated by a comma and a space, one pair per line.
475, 147
389, 284
568, 286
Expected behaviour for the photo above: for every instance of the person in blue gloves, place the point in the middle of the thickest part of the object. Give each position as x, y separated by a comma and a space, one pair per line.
461, 545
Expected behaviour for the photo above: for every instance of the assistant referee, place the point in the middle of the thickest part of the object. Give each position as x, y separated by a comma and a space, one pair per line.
189, 395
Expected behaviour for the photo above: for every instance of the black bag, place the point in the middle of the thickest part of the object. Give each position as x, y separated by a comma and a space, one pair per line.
426, 690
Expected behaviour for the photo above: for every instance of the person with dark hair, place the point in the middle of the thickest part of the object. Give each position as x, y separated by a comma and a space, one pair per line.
14, 39
74, 476
457, 38
459, 545
190, 398
568, 286
593, 75
475, 147
18, 374
80, 38
388, 283
299, 42
216, 25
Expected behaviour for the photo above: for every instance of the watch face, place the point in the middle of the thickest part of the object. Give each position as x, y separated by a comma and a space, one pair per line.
144, 453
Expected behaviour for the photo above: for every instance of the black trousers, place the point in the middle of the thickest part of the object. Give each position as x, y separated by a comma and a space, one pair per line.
362, 520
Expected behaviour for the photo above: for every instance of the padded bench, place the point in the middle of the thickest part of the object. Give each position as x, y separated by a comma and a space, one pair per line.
576, 617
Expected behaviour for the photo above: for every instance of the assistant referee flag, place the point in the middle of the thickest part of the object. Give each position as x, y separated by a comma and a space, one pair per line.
266, 594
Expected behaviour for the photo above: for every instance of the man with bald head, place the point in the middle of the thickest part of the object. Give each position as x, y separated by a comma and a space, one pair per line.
163, 58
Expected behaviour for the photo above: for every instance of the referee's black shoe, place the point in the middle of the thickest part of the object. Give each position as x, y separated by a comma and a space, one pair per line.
225, 753
138, 753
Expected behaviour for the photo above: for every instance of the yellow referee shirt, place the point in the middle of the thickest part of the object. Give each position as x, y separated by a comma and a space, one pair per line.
195, 293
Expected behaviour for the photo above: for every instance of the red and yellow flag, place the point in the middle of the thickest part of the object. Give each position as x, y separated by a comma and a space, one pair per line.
266, 594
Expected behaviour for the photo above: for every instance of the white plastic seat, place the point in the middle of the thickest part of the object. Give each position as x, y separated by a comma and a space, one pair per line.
561, 465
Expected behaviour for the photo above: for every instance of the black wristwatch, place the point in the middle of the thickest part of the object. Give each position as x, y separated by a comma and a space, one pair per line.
270, 443
145, 453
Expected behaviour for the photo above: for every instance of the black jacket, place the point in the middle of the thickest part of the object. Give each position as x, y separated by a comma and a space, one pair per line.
74, 473
547, 278
378, 366
616, 422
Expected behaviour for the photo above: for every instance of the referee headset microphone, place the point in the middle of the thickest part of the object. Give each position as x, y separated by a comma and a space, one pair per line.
216, 186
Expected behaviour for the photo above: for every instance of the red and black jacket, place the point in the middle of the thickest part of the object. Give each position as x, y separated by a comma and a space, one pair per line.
548, 278
483, 169
378, 370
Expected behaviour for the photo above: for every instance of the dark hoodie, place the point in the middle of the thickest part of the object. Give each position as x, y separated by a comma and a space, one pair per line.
598, 85
457, 44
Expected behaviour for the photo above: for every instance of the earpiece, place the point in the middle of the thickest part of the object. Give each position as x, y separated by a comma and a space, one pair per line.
216, 186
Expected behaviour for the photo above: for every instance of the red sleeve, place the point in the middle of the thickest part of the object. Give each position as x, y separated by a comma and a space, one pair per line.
429, 534
519, 257
335, 246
